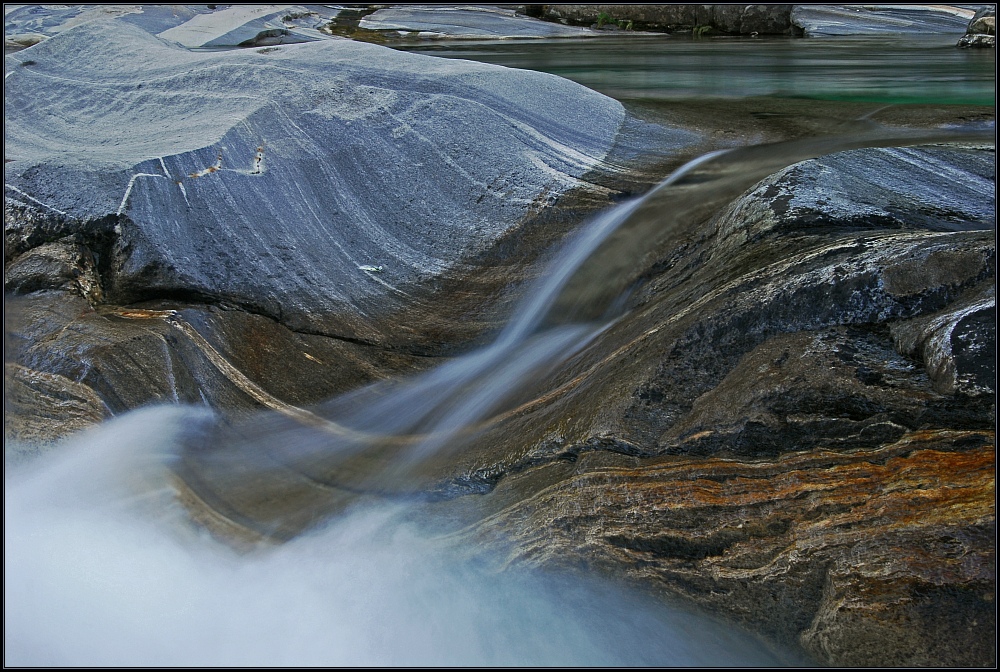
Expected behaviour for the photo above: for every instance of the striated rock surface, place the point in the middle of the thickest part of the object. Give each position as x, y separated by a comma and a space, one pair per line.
815, 20
792, 422
263, 205
207, 26
322, 198
466, 22
796, 425
793, 425
878, 556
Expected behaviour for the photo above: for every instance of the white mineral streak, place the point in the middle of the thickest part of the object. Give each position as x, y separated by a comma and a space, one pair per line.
342, 123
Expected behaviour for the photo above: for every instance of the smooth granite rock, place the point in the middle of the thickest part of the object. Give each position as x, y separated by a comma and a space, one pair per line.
320, 197
466, 22
816, 20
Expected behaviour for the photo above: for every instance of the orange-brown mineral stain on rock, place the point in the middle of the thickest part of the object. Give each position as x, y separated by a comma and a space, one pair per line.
816, 548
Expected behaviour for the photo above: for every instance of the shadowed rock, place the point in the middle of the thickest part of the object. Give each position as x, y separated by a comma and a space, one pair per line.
982, 30
724, 18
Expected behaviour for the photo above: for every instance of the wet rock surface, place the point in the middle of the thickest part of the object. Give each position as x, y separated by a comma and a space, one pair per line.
982, 30
862, 348
792, 425
866, 556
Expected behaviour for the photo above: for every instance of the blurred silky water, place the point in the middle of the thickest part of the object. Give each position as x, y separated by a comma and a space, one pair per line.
103, 569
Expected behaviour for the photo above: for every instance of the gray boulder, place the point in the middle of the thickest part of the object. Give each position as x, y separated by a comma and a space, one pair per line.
816, 20
319, 196
209, 26
982, 30
466, 22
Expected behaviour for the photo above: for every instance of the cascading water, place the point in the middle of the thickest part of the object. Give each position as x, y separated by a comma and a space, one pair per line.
101, 568
380, 440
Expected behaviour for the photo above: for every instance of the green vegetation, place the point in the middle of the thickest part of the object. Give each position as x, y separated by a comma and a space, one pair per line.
604, 19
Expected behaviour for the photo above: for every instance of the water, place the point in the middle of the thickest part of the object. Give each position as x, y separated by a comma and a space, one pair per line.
101, 569
103, 565
274, 477
890, 69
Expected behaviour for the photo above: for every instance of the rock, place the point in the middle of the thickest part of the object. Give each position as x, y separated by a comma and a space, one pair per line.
815, 20
732, 19
793, 426
40, 408
92, 223
791, 340
466, 22
792, 422
982, 29
251, 26
305, 174
119, 359
860, 557
22, 41
187, 25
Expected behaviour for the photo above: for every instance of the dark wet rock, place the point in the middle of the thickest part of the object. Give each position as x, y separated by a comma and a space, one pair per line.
869, 556
859, 348
731, 19
123, 358
982, 29
40, 408
465, 22
815, 20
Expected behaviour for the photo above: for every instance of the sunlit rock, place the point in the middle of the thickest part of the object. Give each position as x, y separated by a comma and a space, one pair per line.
465, 22
880, 19
270, 180
982, 30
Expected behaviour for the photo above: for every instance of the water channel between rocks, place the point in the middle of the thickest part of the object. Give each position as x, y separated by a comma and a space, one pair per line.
103, 569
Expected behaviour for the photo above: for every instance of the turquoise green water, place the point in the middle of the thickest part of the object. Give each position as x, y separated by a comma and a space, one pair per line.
898, 70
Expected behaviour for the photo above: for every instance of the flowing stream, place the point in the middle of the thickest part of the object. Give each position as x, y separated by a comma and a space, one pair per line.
103, 565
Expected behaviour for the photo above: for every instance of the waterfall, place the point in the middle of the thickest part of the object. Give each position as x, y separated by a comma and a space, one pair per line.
103, 567
376, 440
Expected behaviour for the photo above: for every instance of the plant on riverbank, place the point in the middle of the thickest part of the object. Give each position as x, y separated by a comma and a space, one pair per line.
604, 19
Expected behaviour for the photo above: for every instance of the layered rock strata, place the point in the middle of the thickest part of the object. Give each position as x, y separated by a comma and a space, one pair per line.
796, 425
792, 423
340, 217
